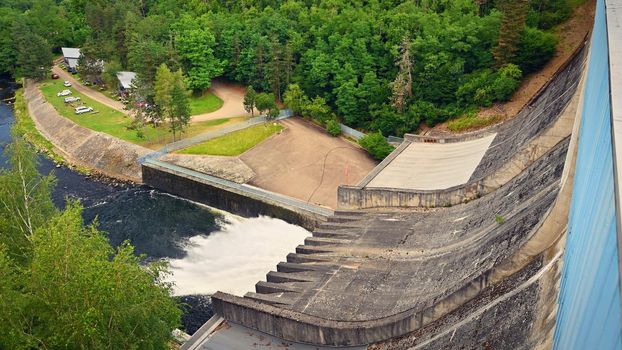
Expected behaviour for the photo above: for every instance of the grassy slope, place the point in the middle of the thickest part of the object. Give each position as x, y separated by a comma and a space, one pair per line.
235, 143
115, 123
205, 103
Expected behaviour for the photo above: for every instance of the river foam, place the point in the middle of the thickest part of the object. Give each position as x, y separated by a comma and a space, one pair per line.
233, 259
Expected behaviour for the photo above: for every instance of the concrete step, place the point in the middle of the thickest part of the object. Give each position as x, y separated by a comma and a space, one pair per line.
325, 241
285, 277
295, 267
281, 299
313, 249
344, 218
341, 225
326, 233
306, 258
262, 287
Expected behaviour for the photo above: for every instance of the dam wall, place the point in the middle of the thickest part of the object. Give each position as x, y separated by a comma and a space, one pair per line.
240, 199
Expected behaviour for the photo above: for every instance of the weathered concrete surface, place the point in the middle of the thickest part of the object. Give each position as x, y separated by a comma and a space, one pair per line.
433, 166
366, 277
228, 168
305, 162
94, 150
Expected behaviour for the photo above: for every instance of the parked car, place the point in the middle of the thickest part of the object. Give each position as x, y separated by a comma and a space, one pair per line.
54, 76
83, 109
66, 83
64, 93
71, 99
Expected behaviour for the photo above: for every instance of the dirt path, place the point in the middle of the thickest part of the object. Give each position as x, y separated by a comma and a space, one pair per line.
306, 163
232, 96
570, 35
95, 95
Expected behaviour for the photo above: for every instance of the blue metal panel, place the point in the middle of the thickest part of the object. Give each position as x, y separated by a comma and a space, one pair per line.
588, 316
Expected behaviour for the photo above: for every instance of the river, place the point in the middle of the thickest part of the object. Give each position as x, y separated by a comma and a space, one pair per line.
208, 250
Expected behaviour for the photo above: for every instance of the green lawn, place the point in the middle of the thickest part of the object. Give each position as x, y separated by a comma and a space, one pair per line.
115, 123
235, 143
205, 103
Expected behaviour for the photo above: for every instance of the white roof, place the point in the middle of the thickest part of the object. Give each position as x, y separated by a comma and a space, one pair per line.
125, 78
71, 52
72, 62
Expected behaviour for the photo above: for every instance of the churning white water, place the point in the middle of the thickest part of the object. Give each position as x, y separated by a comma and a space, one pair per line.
234, 259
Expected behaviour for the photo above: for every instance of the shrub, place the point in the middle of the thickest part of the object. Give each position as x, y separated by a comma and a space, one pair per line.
471, 120
506, 81
376, 145
333, 127
535, 49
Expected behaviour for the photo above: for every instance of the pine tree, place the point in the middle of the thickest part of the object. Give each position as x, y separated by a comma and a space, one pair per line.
249, 100
402, 86
512, 25
180, 105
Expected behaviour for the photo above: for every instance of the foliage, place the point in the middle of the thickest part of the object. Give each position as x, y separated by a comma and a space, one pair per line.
536, 48
376, 145
235, 143
469, 121
333, 127
512, 25
171, 98
250, 99
33, 56
483, 87
321, 54
545, 14
266, 103
195, 46
63, 285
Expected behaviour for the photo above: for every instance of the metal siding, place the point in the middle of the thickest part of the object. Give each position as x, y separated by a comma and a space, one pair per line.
588, 316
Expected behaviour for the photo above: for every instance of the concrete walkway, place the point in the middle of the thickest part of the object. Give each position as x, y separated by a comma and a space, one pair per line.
433, 166
95, 95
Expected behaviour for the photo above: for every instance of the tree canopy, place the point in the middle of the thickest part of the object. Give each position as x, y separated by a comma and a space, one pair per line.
386, 63
63, 285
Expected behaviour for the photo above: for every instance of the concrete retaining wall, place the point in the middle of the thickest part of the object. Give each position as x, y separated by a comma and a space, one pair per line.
232, 198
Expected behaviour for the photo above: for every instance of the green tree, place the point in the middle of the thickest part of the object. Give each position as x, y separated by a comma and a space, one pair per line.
195, 47
333, 128
265, 103
376, 145
402, 86
63, 285
250, 98
180, 105
34, 56
512, 25
295, 99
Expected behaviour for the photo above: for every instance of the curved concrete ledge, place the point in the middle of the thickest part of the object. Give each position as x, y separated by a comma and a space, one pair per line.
547, 120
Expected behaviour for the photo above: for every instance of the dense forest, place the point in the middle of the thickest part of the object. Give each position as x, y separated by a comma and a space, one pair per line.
377, 65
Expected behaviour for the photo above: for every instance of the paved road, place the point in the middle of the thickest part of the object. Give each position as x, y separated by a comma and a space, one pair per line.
232, 97
95, 95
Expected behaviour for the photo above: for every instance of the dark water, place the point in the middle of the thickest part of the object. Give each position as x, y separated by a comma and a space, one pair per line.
157, 224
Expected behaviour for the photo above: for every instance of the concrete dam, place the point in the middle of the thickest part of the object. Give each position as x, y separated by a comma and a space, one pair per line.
467, 256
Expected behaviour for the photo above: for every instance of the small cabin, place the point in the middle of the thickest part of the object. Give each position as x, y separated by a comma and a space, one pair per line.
71, 55
125, 81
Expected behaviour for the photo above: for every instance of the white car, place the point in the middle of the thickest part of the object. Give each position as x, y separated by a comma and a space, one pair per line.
66, 83
64, 93
83, 109
71, 99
